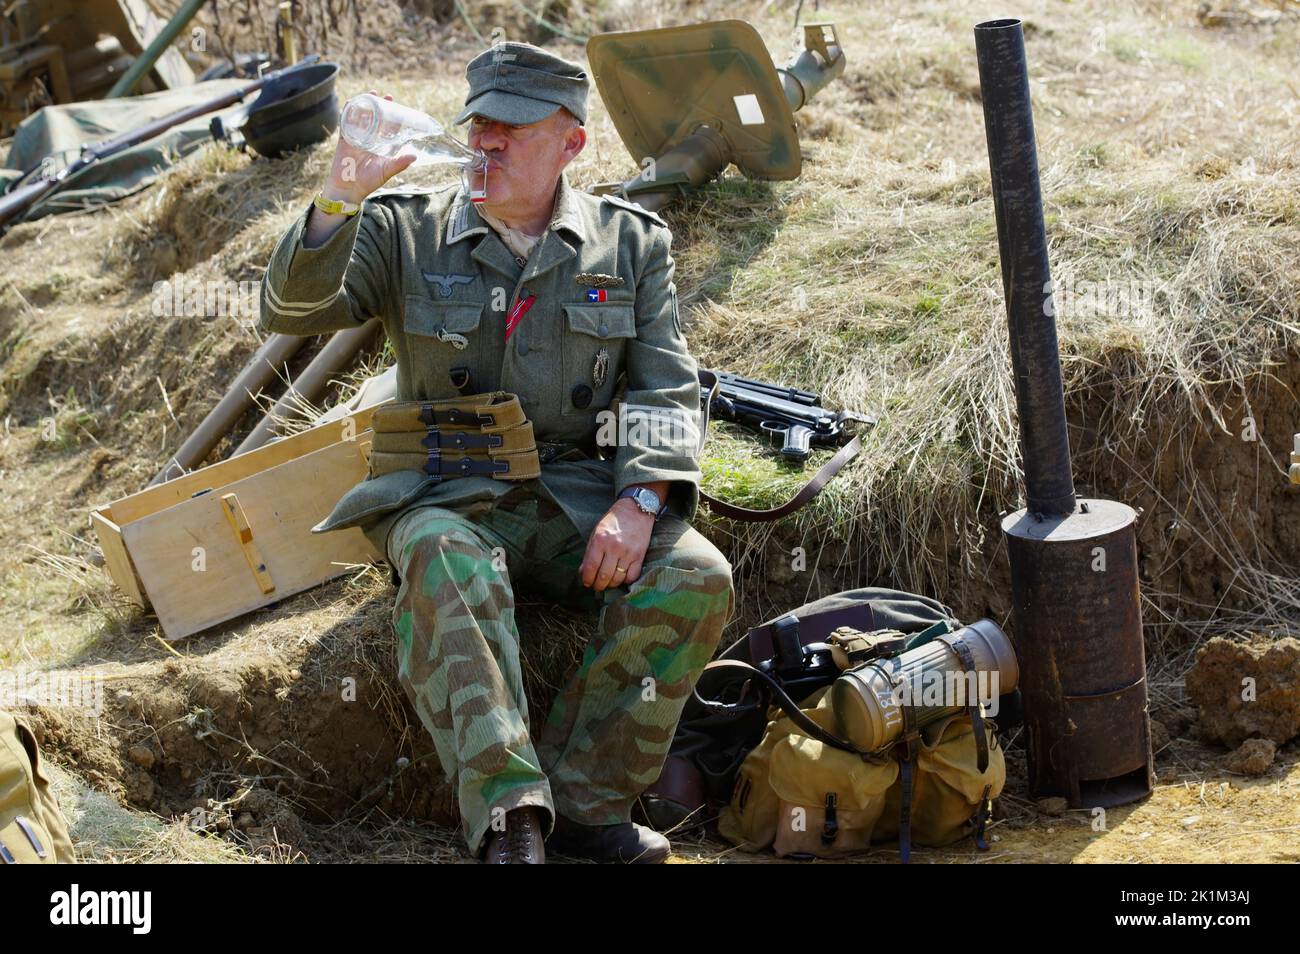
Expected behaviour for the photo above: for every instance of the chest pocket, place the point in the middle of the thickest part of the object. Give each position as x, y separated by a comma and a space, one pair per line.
441, 336
592, 329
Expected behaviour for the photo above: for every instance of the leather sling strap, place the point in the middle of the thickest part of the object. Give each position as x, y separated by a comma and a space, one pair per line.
805, 494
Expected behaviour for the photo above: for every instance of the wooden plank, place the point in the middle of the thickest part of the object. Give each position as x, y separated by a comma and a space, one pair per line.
116, 559
191, 590
244, 534
226, 472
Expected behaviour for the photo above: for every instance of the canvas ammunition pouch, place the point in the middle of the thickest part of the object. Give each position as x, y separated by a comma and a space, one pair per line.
484, 434
32, 828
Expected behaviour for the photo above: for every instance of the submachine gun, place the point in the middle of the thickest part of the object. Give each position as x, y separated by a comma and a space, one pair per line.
790, 418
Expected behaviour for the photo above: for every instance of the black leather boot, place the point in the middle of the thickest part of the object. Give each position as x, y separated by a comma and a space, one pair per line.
624, 843
521, 841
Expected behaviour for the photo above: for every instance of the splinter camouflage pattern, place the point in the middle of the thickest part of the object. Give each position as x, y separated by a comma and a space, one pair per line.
608, 731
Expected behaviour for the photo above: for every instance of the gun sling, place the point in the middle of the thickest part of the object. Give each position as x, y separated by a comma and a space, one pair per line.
806, 493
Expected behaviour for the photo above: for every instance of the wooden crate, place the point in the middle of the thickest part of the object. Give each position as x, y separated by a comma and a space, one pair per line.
251, 516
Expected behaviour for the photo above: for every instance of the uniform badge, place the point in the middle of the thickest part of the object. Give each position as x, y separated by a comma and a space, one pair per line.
600, 370
445, 283
597, 280
595, 294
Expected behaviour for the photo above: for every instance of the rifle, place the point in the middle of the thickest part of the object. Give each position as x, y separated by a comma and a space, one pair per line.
17, 202
790, 418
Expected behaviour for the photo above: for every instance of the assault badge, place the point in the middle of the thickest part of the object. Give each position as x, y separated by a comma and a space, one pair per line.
600, 370
597, 280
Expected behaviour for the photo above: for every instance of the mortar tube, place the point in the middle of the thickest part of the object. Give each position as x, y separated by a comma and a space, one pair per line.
311, 382
261, 369
1026, 277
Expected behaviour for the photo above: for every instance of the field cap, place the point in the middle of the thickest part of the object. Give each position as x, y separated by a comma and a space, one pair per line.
519, 84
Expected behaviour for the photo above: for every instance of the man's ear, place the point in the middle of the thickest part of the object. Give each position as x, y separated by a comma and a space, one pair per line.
574, 141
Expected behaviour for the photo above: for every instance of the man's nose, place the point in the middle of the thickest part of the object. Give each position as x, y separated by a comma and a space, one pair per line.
492, 137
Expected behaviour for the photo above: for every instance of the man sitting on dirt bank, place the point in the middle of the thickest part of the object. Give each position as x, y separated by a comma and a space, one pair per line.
444, 274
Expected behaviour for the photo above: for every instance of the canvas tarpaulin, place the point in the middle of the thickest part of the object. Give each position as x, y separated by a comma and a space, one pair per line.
59, 132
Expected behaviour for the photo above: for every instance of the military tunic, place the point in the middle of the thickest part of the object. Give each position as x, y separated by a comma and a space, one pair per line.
443, 283
604, 321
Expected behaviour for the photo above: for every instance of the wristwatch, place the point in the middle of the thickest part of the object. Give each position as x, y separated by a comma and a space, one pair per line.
335, 206
647, 500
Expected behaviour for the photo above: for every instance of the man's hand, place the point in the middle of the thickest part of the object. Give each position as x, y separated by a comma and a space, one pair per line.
619, 540
354, 174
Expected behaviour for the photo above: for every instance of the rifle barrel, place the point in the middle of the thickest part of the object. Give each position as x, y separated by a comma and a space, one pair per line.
16, 203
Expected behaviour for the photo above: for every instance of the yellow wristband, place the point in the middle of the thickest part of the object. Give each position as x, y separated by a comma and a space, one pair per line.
335, 206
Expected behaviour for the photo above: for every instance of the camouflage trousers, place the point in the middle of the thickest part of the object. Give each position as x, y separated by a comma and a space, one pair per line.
608, 732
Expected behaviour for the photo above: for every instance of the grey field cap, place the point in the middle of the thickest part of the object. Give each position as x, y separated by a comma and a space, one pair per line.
519, 84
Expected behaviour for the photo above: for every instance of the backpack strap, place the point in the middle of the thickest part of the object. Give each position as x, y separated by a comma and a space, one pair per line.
905, 750
781, 699
981, 817
976, 718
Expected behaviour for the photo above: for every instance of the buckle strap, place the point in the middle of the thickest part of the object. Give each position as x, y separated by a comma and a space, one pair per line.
438, 466
472, 442
521, 466
492, 410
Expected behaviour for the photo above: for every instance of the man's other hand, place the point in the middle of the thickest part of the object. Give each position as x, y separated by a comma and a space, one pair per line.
619, 540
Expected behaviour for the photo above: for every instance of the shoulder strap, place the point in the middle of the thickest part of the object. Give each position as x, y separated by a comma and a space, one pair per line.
633, 206
805, 494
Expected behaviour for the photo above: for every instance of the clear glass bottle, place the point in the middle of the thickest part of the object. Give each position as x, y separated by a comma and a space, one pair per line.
385, 128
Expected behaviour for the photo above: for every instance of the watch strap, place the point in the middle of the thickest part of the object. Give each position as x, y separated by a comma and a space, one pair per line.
633, 491
335, 206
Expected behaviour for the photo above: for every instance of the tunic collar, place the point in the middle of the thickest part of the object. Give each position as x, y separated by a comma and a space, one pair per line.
465, 220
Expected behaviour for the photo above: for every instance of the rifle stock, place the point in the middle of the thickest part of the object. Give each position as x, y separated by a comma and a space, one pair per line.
14, 204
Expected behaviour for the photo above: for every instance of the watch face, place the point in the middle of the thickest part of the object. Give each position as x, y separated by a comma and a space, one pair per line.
647, 500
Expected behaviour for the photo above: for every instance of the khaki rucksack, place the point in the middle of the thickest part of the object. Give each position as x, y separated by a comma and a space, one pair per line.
32, 829
803, 797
